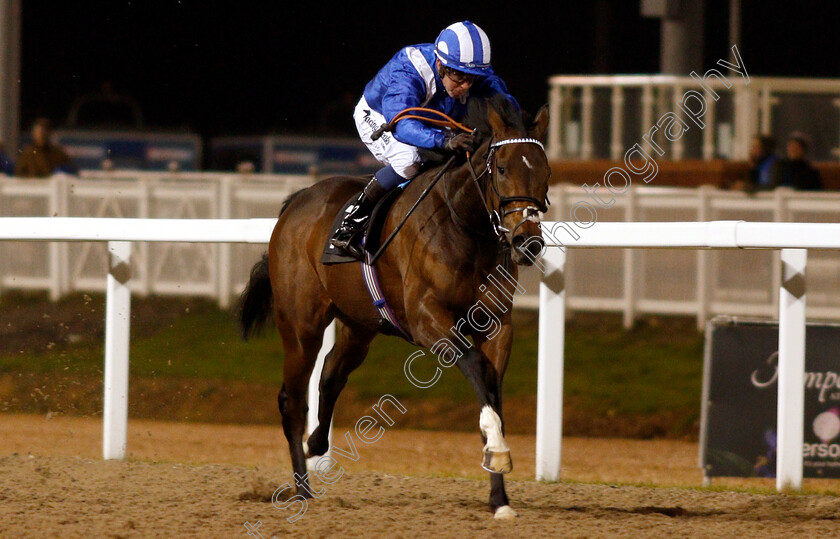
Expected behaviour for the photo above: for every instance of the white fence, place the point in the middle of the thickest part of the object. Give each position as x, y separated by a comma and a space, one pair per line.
700, 284
793, 239
600, 116
696, 283
210, 270
119, 235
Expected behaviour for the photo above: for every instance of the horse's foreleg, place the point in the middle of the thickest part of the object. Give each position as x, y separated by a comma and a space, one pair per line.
499, 502
484, 381
483, 366
495, 353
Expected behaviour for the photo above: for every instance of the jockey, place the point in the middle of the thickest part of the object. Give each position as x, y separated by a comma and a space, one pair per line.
440, 76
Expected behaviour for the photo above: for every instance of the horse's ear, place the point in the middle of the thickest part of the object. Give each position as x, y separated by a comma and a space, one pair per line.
539, 126
496, 122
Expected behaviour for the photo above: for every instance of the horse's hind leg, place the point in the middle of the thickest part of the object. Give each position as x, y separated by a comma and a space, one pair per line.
351, 347
301, 350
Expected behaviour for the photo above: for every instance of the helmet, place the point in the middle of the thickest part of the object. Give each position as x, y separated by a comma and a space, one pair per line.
465, 47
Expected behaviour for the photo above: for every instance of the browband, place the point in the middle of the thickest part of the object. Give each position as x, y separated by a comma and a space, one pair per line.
518, 141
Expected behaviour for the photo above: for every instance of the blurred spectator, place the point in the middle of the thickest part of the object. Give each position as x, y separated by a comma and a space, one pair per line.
105, 109
795, 171
42, 158
762, 161
245, 167
6, 165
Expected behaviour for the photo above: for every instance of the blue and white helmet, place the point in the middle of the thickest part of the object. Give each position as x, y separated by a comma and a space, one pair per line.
465, 47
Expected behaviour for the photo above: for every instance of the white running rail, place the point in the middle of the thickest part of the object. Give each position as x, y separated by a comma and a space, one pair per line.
635, 283
793, 239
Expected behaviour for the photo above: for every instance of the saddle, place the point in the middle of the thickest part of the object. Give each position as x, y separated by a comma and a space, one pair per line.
373, 233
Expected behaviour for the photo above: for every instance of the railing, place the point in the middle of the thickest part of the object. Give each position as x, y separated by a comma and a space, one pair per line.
117, 236
602, 116
702, 283
215, 271
792, 238
634, 283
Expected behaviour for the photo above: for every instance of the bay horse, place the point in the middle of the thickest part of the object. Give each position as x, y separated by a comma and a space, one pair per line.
433, 273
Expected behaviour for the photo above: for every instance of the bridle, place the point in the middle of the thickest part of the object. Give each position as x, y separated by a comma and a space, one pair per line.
497, 216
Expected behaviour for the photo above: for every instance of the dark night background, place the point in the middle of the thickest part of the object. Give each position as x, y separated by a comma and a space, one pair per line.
259, 67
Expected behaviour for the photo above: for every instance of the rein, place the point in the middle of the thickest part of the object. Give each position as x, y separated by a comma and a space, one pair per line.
413, 207
528, 212
444, 121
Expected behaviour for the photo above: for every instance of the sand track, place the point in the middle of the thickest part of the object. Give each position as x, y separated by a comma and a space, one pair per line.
208, 480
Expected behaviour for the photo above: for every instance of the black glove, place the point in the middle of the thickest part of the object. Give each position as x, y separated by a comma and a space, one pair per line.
459, 142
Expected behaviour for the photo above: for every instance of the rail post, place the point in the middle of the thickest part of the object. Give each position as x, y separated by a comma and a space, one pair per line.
555, 122
631, 265
117, 325
552, 328
587, 104
224, 261
791, 404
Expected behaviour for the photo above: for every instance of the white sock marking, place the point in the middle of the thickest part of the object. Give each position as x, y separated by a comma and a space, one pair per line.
491, 428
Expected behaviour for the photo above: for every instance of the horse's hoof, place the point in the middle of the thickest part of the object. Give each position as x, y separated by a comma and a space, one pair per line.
505, 512
497, 462
312, 447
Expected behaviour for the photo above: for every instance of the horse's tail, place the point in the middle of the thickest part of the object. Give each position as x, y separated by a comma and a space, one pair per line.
255, 302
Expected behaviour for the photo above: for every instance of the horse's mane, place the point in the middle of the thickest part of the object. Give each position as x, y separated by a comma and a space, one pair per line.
477, 109
476, 118
289, 200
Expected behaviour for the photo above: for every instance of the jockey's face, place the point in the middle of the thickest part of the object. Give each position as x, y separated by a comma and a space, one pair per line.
456, 83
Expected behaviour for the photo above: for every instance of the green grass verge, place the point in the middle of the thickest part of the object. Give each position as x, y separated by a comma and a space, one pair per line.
654, 368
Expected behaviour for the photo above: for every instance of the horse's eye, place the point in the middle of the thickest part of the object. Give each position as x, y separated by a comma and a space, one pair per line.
501, 170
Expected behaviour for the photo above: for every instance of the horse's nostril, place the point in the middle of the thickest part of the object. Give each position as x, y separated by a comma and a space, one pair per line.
536, 247
518, 240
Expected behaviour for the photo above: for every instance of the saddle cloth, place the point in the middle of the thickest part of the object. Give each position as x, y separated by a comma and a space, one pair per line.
389, 324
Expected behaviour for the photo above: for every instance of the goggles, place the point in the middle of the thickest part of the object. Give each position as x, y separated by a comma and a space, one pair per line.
458, 77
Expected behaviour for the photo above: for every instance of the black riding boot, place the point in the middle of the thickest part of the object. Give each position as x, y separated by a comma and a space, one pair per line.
348, 237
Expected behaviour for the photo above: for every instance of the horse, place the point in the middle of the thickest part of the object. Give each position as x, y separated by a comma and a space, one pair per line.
433, 274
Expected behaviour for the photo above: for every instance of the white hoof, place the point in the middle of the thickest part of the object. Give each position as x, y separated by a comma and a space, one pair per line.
505, 512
